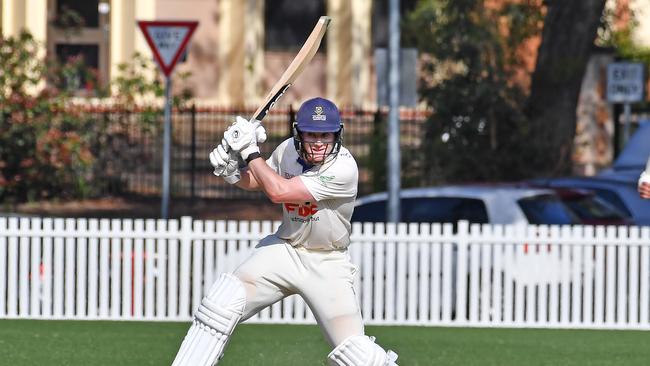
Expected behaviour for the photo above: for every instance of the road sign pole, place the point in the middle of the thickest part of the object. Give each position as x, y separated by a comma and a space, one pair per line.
394, 176
167, 40
627, 111
164, 209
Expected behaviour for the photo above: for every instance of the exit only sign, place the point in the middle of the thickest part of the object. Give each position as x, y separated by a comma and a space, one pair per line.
625, 81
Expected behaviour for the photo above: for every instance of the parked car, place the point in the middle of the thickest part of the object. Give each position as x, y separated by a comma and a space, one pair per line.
592, 209
618, 183
619, 191
478, 203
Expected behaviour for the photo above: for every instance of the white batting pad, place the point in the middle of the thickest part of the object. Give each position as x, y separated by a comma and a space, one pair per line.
361, 351
214, 321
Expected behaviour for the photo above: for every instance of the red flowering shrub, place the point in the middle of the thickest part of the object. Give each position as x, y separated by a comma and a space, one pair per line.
42, 154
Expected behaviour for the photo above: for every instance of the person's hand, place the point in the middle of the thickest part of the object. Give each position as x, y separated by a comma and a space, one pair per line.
644, 190
224, 164
243, 136
644, 185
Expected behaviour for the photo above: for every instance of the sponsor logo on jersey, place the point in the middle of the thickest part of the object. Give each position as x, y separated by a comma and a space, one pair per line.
303, 220
302, 210
318, 114
324, 179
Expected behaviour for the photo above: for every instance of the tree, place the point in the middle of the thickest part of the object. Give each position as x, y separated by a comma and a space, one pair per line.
570, 29
477, 130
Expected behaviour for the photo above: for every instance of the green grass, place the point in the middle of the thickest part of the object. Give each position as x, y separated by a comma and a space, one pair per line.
32, 342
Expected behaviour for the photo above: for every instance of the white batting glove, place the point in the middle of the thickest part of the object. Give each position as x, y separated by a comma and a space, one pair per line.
224, 165
243, 136
260, 132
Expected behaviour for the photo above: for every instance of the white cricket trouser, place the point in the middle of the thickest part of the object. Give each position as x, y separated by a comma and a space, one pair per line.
324, 279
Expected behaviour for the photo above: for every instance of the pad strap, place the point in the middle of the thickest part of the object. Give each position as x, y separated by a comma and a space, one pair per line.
361, 351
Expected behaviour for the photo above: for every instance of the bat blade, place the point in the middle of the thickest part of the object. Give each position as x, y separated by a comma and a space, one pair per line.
304, 56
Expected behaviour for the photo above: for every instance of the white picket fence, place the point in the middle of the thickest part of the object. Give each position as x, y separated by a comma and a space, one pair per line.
488, 276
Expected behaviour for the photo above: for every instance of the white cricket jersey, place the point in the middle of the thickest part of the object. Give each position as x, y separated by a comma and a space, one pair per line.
325, 224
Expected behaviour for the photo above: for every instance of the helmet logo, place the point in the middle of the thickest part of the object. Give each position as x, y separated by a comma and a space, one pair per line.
318, 114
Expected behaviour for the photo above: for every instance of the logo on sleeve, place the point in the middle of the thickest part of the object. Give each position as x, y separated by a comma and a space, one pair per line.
324, 179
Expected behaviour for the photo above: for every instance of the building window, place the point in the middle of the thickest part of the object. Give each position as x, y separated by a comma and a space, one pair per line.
78, 31
89, 55
86, 10
287, 23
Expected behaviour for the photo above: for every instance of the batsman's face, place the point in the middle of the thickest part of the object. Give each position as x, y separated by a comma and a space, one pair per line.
318, 145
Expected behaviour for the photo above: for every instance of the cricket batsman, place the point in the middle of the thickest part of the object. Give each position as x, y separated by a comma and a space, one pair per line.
314, 178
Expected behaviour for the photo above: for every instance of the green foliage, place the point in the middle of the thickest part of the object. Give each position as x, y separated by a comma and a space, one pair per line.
621, 40
410, 157
136, 88
139, 82
133, 81
42, 154
140, 79
52, 149
470, 54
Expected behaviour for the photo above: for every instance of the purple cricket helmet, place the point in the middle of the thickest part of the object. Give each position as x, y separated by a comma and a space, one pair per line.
317, 115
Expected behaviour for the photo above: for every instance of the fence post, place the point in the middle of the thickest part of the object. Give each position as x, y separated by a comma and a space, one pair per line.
3, 267
186, 244
193, 154
462, 241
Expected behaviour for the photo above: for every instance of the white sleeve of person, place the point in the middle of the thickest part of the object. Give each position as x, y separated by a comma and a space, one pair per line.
361, 351
340, 180
213, 323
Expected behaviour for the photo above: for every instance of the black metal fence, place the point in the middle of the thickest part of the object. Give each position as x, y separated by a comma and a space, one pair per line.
133, 163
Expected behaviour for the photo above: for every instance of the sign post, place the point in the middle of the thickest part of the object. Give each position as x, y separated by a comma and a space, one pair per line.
168, 40
625, 82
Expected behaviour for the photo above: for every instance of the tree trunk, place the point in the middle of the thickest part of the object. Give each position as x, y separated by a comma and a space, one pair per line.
570, 28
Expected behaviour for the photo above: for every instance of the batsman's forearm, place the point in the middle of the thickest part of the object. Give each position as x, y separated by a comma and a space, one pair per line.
248, 181
272, 184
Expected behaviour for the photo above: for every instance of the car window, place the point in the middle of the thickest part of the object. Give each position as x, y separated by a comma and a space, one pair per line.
444, 209
546, 209
613, 198
593, 207
370, 212
426, 209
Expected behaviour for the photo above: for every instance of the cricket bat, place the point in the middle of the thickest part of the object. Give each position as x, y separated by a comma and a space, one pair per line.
306, 53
